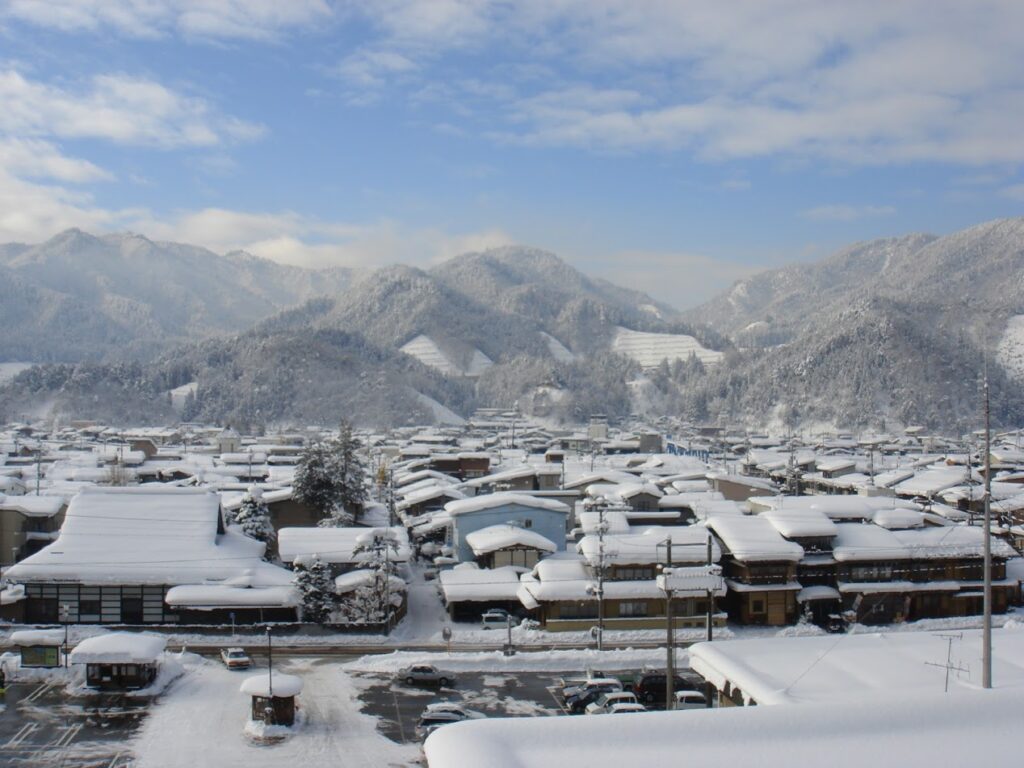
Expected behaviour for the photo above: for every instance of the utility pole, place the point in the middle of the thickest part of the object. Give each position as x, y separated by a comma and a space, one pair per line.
670, 640
39, 466
986, 650
270, 663
711, 595
600, 574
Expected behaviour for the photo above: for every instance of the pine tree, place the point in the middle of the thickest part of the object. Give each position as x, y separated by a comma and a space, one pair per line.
331, 478
351, 470
254, 518
380, 545
316, 588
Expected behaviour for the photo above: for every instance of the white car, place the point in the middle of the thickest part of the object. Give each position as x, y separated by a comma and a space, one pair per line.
625, 707
235, 658
494, 619
690, 700
453, 708
604, 702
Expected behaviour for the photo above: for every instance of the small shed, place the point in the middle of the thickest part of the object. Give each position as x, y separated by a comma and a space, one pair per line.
273, 697
39, 647
119, 661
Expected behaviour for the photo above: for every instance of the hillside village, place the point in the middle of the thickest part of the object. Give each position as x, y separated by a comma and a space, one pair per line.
500, 533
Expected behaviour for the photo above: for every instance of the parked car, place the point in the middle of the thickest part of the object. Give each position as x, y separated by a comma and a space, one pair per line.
495, 618
601, 705
625, 707
650, 687
577, 702
235, 658
431, 721
604, 683
425, 674
690, 700
453, 708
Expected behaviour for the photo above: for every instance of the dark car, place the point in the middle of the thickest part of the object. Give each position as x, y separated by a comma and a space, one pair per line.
650, 688
577, 703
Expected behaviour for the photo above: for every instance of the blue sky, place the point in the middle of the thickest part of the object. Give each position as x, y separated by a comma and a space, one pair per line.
669, 146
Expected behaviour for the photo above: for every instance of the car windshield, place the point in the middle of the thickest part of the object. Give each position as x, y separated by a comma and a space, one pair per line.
236, 654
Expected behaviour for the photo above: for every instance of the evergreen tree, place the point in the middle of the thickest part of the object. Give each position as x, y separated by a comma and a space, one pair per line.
380, 545
331, 477
254, 518
316, 588
350, 467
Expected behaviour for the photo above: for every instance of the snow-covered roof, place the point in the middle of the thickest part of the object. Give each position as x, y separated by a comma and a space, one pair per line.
278, 683
52, 637
495, 500
147, 535
429, 493
351, 581
895, 519
839, 507
119, 648
468, 583
495, 537
933, 481
217, 596
859, 542
753, 539
337, 545
797, 523
891, 729
689, 545
953, 541
777, 670
33, 506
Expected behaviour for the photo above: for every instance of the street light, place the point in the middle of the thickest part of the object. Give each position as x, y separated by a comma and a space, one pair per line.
64, 611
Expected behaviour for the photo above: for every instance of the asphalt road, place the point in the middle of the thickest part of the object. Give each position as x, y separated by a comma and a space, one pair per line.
41, 726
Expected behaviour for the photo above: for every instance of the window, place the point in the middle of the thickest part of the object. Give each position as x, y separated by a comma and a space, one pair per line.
634, 608
527, 523
871, 572
89, 608
757, 605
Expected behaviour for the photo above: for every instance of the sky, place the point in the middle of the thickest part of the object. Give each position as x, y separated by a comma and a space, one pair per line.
673, 146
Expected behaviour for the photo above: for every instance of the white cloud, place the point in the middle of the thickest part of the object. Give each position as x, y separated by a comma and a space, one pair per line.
847, 212
291, 238
862, 83
33, 158
239, 19
115, 107
369, 69
679, 279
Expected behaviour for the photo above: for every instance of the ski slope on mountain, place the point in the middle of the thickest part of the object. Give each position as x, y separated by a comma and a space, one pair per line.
426, 350
649, 349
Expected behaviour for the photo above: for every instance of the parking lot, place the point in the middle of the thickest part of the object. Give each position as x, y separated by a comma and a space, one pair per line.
40, 725
398, 706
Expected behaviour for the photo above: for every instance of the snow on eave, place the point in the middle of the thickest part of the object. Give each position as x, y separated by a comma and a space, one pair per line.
281, 685
495, 500
496, 537
119, 648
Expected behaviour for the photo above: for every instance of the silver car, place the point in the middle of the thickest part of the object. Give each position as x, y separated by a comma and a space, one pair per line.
425, 674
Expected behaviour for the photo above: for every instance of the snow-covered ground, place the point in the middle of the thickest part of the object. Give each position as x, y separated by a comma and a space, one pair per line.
9, 370
547, 661
558, 350
200, 721
426, 350
649, 349
1010, 352
442, 414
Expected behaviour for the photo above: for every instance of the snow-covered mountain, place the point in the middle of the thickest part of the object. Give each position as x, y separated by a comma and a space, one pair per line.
78, 297
892, 331
895, 329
